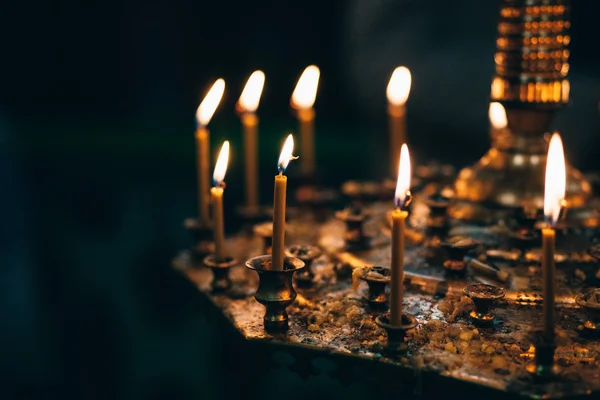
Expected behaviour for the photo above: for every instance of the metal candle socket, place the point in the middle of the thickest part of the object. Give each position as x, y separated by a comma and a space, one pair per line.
355, 237
437, 223
307, 254
275, 290
543, 367
483, 297
377, 279
220, 270
396, 334
203, 239
457, 249
590, 302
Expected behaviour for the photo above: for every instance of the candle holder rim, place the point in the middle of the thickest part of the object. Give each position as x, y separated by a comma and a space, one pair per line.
211, 261
311, 253
471, 292
258, 264
452, 246
385, 278
582, 300
408, 322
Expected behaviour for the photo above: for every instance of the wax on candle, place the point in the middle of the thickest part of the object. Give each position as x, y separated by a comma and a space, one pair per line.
279, 205
554, 195
247, 105
399, 216
397, 93
303, 99
204, 113
217, 201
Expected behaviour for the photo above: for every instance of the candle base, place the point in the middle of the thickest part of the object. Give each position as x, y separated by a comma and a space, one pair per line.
543, 368
377, 279
220, 269
275, 290
483, 296
354, 217
590, 303
307, 254
202, 235
396, 334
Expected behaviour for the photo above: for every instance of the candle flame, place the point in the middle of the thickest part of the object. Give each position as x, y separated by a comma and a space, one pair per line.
207, 108
286, 154
250, 96
403, 184
221, 165
497, 115
398, 87
305, 92
556, 180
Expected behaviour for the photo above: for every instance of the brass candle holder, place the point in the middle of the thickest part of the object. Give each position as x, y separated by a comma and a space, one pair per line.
483, 296
590, 303
307, 254
377, 279
543, 367
437, 222
457, 248
220, 269
275, 290
355, 237
202, 236
396, 334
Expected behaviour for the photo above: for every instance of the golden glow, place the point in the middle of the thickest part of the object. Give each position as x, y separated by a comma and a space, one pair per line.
250, 96
497, 115
556, 180
305, 92
403, 183
221, 165
207, 108
398, 87
286, 153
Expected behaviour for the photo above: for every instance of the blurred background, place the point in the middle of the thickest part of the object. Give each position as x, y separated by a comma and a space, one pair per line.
97, 159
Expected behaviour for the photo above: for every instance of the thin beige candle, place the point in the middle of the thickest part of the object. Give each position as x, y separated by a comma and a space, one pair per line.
247, 105
397, 92
398, 227
204, 113
303, 100
217, 201
279, 205
554, 195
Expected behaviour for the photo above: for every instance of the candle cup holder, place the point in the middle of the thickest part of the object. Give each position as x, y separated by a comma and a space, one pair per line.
220, 269
524, 239
377, 279
437, 222
275, 290
265, 232
590, 303
396, 334
483, 296
543, 367
457, 249
203, 240
307, 254
354, 217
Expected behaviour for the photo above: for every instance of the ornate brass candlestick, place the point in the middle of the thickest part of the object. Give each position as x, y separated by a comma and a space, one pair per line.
275, 290
396, 334
530, 81
307, 254
220, 270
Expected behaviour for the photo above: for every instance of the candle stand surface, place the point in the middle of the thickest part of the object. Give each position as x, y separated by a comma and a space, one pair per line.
447, 349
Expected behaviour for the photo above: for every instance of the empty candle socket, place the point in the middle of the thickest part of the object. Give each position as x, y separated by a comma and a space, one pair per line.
202, 236
307, 254
457, 248
354, 217
483, 296
377, 279
220, 269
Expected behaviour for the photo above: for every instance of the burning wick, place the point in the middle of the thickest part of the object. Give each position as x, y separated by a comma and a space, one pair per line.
402, 198
397, 92
303, 99
279, 204
217, 201
554, 195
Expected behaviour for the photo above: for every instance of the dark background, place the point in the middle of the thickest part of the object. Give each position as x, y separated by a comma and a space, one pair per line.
97, 158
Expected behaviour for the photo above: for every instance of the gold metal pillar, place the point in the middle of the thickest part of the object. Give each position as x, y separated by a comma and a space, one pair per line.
531, 83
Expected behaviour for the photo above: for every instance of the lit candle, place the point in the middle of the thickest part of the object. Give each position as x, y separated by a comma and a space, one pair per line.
398, 89
279, 204
554, 195
498, 121
247, 105
398, 227
303, 100
217, 201
205, 111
